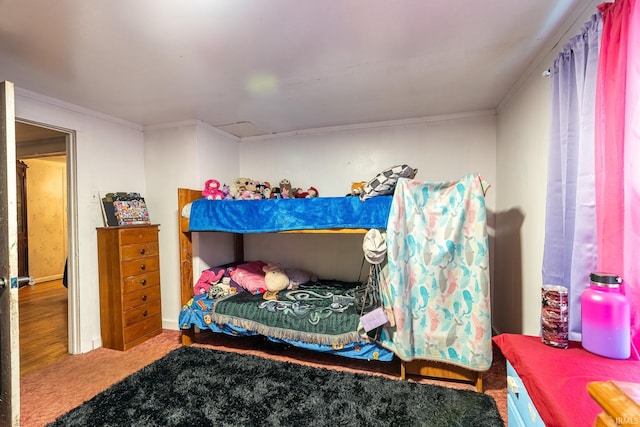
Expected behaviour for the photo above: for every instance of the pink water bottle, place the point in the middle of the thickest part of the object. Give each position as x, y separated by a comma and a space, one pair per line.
606, 323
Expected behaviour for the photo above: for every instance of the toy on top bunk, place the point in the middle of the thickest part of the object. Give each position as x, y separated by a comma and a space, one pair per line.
287, 191
384, 183
357, 188
250, 189
245, 189
214, 191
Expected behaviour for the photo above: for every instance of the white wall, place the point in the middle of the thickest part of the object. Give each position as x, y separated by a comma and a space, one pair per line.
184, 155
510, 153
522, 148
442, 148
110, 157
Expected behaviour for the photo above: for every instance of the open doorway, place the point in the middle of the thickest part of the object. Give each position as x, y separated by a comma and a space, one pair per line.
41, 153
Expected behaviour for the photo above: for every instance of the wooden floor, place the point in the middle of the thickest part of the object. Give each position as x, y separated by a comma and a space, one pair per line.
43, 325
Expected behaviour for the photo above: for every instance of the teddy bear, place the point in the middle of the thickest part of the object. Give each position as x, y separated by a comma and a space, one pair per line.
239, 188
212, 190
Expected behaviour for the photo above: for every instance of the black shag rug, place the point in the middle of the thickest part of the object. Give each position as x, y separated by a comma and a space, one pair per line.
194, 386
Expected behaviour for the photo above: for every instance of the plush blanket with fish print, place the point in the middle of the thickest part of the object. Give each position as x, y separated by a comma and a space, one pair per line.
437, 289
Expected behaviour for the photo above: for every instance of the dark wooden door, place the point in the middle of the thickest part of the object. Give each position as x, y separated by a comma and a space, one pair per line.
21, 202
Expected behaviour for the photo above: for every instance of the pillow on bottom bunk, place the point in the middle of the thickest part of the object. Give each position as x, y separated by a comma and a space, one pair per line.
250, 276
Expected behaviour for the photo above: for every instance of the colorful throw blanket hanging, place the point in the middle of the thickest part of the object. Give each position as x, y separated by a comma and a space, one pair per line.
437, 289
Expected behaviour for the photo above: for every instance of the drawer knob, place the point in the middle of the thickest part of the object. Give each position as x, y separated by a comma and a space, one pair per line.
144, 297
143, 282
143, 267
144, 313
142, 251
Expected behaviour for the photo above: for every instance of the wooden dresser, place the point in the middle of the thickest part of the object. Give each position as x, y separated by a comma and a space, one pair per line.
129, 269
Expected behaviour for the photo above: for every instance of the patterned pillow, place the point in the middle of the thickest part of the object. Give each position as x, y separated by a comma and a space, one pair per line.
385, 182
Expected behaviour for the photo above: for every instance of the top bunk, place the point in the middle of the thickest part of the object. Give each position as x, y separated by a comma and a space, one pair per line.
303, 215
246, 207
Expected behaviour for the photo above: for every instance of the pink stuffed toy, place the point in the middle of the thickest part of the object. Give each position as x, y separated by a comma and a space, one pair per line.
212, 190
207, 279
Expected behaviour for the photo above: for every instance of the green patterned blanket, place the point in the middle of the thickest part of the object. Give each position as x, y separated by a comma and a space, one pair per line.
317, 313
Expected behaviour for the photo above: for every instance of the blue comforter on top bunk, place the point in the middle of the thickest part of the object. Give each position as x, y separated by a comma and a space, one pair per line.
271, 215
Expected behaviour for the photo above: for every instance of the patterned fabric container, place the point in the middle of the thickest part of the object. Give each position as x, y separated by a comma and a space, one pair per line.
555, 316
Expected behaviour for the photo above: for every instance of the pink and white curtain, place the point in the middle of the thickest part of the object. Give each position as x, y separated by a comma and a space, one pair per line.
593, 188
617, 151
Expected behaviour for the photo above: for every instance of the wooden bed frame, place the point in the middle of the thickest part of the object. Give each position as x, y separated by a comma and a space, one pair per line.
424, 368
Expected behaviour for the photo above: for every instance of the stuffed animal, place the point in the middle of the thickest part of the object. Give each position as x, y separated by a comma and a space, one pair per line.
285, 189
226, 191
212, 190
312, 192
275, 193
207, 279
275, 280
239, 188
357, 188
264, 190
221, 289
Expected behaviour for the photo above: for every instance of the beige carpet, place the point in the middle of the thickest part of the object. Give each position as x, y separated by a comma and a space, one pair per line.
54, 390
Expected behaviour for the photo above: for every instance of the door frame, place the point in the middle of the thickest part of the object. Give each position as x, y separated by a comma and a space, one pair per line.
73, 295
9, 320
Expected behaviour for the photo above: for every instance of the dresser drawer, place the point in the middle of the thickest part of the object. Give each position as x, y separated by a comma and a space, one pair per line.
138, 235
140, 313
140, 329
141, 281
139, 266
139, 250
527, 412
143, 296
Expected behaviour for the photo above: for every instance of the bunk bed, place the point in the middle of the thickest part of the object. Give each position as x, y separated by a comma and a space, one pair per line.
316, 215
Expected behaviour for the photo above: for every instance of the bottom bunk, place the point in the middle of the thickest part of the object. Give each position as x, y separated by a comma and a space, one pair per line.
305, 314
319, 315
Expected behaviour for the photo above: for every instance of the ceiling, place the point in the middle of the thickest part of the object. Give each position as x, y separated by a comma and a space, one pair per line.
277, 65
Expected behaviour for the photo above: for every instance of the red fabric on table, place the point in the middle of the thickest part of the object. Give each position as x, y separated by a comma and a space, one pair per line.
556, 379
